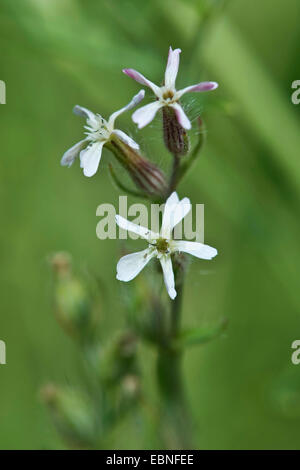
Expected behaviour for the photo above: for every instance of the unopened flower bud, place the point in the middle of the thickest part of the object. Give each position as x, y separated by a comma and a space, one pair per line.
175, 136
61, 263
145, 174
131, 387
118, 358
146, 309
126, 346
73, 305
72, 414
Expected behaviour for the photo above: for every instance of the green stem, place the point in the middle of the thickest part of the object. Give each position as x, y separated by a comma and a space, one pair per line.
177, 424
176, 311
174, 174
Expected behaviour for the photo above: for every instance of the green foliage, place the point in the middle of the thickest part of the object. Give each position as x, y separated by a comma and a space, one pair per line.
58, 53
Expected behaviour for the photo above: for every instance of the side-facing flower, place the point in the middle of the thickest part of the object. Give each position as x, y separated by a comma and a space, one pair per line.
166, 95
161, 245
99, 132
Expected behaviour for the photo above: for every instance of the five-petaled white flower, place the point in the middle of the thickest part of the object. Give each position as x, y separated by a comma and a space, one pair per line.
166, 95
161, 245
99, 131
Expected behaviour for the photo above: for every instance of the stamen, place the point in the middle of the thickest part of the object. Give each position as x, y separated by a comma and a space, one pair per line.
162, 245
168, 95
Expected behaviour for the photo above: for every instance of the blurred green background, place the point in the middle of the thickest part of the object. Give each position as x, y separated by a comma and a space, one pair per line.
244, 391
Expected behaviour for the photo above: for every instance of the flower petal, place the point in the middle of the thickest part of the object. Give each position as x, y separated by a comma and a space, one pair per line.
138, 77
169, 279
138, 229
181, 116
134, 102
171, 202
144, 115
203, 86
130, 266
86, 113
125, 138
195, 249
172, 199
73, 152
90, 158
172, 68
174, 212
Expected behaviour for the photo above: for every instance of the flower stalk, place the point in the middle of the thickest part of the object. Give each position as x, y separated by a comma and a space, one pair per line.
169, 370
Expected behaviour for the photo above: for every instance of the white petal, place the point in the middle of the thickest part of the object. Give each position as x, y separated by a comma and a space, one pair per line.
172, 199
195, 249
90, 158
144, 115
138, 77
203, 86
167, 268
131, 265
138, 229
181, 116
125, 138
73, 152
174, 212
172, 68
134, 102
86, 113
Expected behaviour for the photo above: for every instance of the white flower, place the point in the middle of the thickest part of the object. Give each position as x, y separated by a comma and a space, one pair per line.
99, 131
161, 245
166, 95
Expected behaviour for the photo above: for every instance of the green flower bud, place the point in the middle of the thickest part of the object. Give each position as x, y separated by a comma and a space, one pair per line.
73, 304
146, 311
117, 359
130, 390
72, 414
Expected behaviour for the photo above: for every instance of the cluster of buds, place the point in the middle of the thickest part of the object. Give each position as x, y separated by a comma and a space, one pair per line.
77, 415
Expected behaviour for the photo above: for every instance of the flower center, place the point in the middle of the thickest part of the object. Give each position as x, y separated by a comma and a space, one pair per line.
98, 130
168, 95
162, 245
